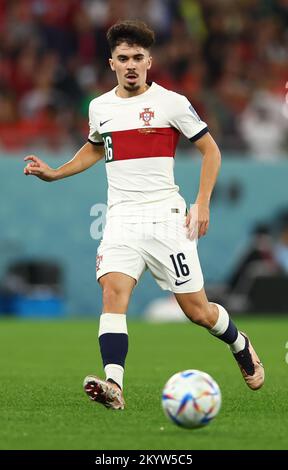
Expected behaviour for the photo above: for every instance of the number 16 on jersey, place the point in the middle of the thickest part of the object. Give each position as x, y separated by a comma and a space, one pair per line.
108, 145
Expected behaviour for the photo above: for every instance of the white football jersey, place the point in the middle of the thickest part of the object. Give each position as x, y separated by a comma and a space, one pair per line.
140, 136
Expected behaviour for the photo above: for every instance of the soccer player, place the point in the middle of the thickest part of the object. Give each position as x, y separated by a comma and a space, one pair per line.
136, 126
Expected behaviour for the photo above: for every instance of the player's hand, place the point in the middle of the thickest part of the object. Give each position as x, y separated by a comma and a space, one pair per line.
197, 221
37, 167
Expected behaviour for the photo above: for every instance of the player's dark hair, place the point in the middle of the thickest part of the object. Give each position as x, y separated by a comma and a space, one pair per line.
132, 32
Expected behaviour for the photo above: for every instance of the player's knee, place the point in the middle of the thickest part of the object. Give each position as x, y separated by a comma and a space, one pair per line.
200, 315
114, 297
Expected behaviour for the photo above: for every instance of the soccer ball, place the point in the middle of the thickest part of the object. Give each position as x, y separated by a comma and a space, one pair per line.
191, 399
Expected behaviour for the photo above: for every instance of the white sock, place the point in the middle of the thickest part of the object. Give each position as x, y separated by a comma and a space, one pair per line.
222, 322
239, 344
115, 372
111, 325
221, 326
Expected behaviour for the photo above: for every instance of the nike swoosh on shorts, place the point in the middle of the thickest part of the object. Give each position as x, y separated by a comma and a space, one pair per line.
178, 283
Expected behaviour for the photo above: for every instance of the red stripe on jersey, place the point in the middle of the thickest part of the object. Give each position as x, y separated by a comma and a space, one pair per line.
145, 143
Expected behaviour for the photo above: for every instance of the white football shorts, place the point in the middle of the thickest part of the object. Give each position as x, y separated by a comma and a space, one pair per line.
161, 247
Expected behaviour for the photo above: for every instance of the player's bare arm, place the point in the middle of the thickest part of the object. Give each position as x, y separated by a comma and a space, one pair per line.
210, 167
87, 156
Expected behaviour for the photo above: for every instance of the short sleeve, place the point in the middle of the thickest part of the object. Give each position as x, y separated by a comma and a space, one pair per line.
183, 117
94, 136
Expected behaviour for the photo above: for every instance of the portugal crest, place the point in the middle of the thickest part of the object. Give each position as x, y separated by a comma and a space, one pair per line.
146, 115
99, 260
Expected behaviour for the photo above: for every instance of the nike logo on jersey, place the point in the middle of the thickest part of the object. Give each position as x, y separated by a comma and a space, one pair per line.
178, 283
104, 122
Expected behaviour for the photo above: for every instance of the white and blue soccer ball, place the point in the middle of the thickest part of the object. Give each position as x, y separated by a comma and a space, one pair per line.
191, 398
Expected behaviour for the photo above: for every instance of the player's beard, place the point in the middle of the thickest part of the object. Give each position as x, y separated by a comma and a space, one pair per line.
132, 87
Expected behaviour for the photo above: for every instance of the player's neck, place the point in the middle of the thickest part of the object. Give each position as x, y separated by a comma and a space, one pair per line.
124, 93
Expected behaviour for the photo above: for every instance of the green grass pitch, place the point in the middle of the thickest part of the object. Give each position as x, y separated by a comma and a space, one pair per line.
43, 405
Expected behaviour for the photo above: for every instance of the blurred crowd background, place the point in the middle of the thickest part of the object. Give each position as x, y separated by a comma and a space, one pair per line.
228, 57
